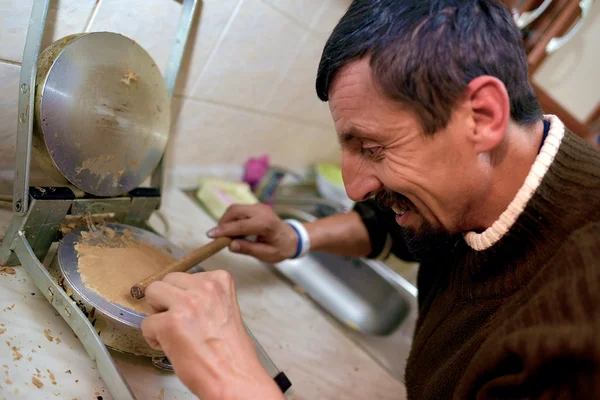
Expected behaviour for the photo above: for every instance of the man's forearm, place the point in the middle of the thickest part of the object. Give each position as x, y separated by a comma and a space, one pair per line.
344, 234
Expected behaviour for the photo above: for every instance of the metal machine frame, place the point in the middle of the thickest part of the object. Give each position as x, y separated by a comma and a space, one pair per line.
39, 212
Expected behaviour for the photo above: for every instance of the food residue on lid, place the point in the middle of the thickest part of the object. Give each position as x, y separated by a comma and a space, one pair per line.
129, 77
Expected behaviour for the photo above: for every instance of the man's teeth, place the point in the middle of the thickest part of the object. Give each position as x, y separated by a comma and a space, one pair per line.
398, 210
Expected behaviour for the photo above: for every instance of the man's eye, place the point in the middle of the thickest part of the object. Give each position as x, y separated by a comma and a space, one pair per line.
371, 151
367, 150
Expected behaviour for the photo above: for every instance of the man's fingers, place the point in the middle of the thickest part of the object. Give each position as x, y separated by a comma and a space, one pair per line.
243, 227
237, 211
151, 328
161, 295
262, 251
178, 279
242, 212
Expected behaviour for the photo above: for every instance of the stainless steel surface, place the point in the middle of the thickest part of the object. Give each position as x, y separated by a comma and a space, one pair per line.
317, 206
350, 290
376, 307
74, 317
103, 112
40, 225
27, 83
186, 18
184, 25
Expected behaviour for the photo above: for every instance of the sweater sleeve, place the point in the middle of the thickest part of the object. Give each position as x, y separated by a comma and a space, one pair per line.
550, 347
385, 234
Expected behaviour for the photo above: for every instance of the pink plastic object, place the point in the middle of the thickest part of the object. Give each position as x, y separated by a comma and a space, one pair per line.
255, 169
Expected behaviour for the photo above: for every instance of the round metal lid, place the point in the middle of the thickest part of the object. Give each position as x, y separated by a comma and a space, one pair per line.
104, 113
68, 262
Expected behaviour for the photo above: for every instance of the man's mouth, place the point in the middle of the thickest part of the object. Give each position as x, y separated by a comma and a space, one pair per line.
398, 210
398, 203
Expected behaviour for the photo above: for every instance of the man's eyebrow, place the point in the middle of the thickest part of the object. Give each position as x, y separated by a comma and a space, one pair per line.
349, 135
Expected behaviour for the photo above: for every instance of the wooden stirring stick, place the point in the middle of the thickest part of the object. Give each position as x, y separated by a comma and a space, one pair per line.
138, 290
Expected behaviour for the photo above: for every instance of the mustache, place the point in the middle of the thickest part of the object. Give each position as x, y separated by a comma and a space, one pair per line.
387, 198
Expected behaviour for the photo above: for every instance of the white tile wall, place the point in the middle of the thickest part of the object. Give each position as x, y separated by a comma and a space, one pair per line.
65, 17
247, 82
214, 18
151, 23
255, 54
333, 11
226, 135
295, 94
305, 12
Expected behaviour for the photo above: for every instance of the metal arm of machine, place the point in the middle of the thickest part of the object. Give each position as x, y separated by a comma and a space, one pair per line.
31, 52
186, 18
74, 317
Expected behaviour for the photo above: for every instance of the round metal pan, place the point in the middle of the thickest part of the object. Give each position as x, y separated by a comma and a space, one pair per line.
117, 326
102, 113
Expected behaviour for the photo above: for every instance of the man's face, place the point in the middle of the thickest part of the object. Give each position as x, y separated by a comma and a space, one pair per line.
429, 181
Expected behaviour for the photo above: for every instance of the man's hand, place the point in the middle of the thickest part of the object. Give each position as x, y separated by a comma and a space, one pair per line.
196, 321
276, 240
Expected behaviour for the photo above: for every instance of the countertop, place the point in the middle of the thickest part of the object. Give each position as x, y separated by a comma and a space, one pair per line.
321, 362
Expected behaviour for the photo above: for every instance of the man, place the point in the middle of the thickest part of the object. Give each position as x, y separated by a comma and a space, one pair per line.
437, 123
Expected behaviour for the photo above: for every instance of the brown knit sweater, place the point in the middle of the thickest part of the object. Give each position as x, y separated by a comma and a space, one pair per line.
520, 319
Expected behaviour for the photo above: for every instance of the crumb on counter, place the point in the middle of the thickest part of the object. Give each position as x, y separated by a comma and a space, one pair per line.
7, 270
51, 376
17, 353
39, 384
47, 334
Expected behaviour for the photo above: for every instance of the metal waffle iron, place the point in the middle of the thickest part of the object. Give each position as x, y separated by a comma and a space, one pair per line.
94, 110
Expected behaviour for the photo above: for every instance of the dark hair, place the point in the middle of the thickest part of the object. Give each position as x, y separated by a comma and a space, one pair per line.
424, 53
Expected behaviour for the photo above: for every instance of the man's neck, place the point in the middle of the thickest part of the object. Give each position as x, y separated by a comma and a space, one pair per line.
511, 165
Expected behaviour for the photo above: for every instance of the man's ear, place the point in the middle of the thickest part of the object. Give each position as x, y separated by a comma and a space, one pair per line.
490, 109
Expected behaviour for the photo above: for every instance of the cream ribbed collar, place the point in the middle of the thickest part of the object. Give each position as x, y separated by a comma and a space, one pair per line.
486, 239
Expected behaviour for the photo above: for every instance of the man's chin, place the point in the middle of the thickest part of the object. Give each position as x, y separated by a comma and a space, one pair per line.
424, 240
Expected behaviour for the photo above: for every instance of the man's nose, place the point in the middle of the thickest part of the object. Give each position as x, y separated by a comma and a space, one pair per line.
361, 184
